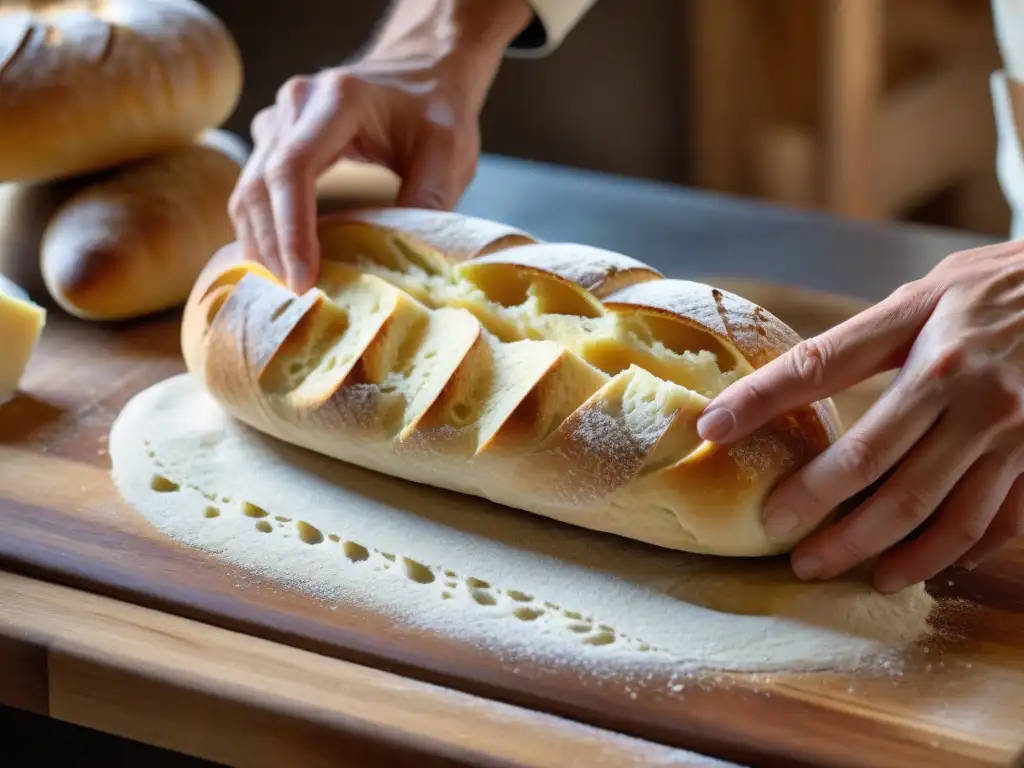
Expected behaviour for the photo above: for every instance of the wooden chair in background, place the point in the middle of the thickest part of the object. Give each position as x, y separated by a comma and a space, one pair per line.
869, 109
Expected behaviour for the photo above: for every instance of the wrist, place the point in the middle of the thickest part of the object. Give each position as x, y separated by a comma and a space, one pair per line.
463, 40
485, 28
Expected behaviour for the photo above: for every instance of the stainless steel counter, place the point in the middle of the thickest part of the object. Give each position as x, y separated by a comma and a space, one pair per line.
689, 233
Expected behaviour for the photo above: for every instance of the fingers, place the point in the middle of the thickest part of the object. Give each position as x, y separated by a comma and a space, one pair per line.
923, 479
1007, 526
816, 368
337, 114
326, 127
961, 525
890, 428
440, 171
249, 205
275, 201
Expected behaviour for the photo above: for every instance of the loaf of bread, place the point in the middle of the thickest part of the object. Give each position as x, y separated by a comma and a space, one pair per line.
554, 378
128, 241
88, 85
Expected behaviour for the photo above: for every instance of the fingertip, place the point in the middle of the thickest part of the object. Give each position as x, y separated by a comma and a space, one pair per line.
890, 582
428, 198
716, 424
304, 271
807, 566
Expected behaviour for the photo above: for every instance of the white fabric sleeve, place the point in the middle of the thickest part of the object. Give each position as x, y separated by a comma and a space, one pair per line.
553, 20
1007, 87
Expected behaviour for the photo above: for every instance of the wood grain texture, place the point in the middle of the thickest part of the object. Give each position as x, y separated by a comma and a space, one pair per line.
244, 701
960, 705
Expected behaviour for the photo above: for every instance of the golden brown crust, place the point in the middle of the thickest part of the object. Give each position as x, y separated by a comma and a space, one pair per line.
86, 86
450, 236
581, 409
132, 240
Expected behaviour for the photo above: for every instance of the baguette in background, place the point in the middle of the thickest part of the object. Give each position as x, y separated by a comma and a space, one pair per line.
88, 86
556, 378
124, 242
134, 241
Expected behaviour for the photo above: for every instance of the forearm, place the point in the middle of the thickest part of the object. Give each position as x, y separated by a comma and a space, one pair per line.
470, 35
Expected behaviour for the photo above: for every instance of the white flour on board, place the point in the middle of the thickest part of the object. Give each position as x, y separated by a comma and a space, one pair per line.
516, 582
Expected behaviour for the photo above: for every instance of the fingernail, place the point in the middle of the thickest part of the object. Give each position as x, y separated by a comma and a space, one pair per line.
716, 424
807, 567
888, 583
780, 522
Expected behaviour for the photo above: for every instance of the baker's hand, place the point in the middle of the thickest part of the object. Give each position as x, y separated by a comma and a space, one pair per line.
411, 104
950, 426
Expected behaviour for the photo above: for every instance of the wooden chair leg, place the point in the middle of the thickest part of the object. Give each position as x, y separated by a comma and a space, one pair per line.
851, 86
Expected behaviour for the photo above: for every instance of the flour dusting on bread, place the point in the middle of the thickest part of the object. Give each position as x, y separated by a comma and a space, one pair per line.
559, 379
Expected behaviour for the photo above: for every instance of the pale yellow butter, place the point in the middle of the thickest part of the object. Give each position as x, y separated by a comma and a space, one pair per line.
21, 324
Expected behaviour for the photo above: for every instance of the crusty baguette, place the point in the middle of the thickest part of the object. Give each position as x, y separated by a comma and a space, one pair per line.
85, 86
132, 240
126, 241
559, 379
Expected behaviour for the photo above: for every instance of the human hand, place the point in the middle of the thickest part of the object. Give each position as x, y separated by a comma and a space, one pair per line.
410, 104
948, 432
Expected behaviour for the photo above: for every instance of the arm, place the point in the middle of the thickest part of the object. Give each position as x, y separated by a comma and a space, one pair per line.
465, 37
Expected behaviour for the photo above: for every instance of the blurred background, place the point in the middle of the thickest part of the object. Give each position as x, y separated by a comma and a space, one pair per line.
872, 109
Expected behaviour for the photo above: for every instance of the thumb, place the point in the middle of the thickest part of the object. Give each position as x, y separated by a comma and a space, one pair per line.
435, 177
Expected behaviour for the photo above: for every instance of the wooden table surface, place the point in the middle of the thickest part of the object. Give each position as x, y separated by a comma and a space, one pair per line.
240, 700
280, 680
134, 670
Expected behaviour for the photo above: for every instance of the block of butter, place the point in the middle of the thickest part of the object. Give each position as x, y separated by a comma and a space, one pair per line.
21, 323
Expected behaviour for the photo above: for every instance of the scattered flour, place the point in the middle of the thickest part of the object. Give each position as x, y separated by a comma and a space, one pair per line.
528, 587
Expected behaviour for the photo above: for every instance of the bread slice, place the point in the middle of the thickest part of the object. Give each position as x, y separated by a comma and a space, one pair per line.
556, 378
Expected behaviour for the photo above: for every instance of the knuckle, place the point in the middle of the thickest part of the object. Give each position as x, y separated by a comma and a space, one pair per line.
261, 121
970, 529
855, 549
906, 290
247, 196
285, 165
856, 458
344, 85
949, 362
958, 257
292, 88
808, 361
910, 506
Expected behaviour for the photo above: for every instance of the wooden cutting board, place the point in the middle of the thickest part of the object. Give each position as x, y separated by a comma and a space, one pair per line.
60, 518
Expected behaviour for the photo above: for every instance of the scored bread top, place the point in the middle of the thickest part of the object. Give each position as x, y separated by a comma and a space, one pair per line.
89, 84
556, 378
